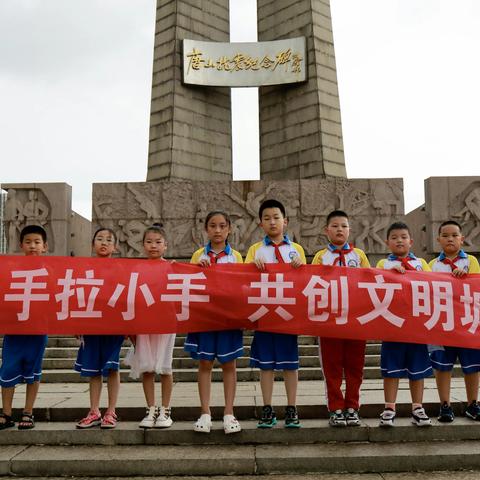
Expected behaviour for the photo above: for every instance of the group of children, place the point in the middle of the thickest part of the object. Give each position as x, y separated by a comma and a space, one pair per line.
341, 359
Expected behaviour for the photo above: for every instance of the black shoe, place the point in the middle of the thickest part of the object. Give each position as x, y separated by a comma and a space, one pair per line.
337, 419
268, 419
291, 417
473, 411
446, 413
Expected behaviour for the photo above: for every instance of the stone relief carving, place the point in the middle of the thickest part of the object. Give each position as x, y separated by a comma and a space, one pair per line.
467, 212
26, 207
182, 207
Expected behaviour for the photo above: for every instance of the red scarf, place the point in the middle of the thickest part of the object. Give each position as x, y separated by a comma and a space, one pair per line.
278, 254
452, 263
340, 260
405, 261
215, 257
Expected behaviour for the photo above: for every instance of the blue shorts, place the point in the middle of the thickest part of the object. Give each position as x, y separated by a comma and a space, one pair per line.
274, 351
98, 355
222, 345
443, 358
22, 357
405, 360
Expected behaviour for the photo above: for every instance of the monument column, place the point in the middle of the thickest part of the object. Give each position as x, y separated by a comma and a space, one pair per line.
300, 126
190, 128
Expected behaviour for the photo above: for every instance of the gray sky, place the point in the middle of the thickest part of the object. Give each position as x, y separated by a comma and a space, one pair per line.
75, 80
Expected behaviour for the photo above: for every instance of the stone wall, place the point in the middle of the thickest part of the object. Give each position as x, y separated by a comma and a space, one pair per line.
181, 206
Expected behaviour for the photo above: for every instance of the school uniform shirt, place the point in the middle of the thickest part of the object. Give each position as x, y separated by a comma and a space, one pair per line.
465, 262
229, 255
288, 251
414, 263
224, 345
332, 255
401, 359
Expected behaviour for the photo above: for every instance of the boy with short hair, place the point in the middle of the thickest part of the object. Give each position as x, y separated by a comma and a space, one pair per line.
400, 359
22, 355
453, 259
275, 351
340, 356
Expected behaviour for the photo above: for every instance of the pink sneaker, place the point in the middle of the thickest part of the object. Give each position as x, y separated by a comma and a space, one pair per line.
109, 420
91, 420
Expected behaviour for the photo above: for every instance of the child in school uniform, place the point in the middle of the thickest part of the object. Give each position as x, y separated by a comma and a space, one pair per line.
99, 355
22, 355
153, 353
339, 357
276, 351
400, 359
225, 346
454, 260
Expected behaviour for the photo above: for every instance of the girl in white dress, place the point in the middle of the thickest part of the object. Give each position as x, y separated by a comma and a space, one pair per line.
153, 353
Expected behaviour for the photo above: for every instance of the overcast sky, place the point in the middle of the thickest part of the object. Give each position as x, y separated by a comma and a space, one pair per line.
75, 80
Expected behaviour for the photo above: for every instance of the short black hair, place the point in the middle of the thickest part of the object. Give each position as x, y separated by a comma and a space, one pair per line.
397, 226
156, 228
271, 203
109, 230
449, 222
33, 229
336, 213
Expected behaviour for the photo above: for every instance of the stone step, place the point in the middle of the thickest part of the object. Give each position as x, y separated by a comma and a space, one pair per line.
313, 449
181, 433
188, 363
179, 352
190, 374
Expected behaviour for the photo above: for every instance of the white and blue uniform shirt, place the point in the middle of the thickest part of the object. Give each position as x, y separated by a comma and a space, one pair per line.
265, 250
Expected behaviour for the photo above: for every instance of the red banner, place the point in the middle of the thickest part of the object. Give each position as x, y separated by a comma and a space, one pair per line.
64, 295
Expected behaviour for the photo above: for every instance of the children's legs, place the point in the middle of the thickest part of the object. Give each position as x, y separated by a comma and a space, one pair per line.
471, 386
443, 380
148, 382
331, 358
7, 400
30, 396
416, 390
95, 393
229, 385
167, 387
266, 384
390, 390
353, 363
205, 384
290, 378
113, 387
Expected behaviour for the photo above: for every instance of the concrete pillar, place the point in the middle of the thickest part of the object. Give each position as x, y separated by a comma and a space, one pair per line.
190, 127
300, 126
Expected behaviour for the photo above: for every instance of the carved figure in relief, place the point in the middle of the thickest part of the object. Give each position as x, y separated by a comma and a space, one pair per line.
471, 212
132, 237
14, 219
382, 221
251, 205
362, 240
144, 202
199, 228
104, 213
35, 211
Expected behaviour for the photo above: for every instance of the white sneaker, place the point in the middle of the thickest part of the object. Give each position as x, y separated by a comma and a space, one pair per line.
420, 418
203, 424
230, 424
149, 420
387, 418
164, 420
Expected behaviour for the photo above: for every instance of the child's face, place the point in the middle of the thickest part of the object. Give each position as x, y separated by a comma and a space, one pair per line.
338, 230
450, 239
273, 222
33, 244
218, 230
104, 244
399, 242
154, 245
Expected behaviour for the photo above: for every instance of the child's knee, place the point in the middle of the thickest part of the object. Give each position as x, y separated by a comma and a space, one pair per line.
205, 365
